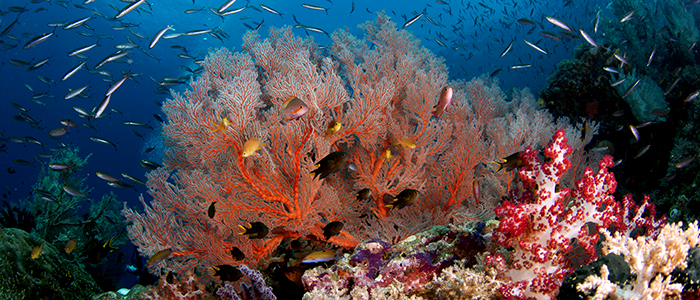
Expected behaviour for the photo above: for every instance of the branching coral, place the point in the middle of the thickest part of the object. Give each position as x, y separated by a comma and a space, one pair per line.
651, 260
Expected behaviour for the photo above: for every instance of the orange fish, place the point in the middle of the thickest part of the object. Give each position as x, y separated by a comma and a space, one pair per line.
36, 251
222, 126
444, 101
319, 256
71, 245
294, 108
251, 146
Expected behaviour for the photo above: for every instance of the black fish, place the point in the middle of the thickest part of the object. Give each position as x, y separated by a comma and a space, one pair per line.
330, 164
332, 229
227, 272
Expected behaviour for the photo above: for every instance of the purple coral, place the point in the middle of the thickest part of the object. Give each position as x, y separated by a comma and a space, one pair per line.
371, 253
258, 289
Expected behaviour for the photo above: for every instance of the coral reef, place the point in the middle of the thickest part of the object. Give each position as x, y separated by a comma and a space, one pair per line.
46, 276
651, 260
418, 267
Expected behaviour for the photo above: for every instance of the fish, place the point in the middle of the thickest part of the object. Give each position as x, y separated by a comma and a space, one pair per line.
559, 24
332, 229
120, 185
75, 92
510, 46
222, 125
237, 254
520, 66
525, 21
73, 192
403, 199
100, 140
294, 108
71, 245
19, 63
642, 151
251, 146
618, 82
685, 162
673, 85
255, 230
129, 8
197, 32
330, 164
222, 8
270, 10
314, 7
413, 20
136, 123
631, 88
74, 70
149, 164
76, 23
651, 56
158, 257
158, 35
635, 132
60, 167
106, 177
627, 17
102, 106
36, 251
227, 272
37, 39
364, 194
9, 27
58, 131
96, 250
318, 257
494, 73
194, 10
588, 38
314, 29
476, 191
611, 70
404, 142
621, 59
691, 97
535, 47
133, 179
211, 212
596, 23
333, 128
510, 162
386, 154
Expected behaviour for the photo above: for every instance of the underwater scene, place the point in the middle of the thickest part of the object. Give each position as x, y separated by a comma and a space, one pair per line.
340, 149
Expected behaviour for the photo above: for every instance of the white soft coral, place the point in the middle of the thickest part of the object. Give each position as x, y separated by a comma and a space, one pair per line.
651, 260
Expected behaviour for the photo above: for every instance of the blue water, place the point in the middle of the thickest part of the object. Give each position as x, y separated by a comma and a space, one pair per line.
483, 41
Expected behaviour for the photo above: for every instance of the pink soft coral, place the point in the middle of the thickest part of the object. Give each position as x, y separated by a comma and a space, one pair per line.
540, 229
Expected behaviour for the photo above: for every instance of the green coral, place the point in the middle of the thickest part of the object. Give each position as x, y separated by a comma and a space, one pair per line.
681, 24
48, 276
58, 221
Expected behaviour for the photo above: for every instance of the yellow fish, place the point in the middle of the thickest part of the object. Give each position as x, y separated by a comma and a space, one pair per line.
222, 126
406, 142
333, 128
387, 154
251, 146
36, 251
